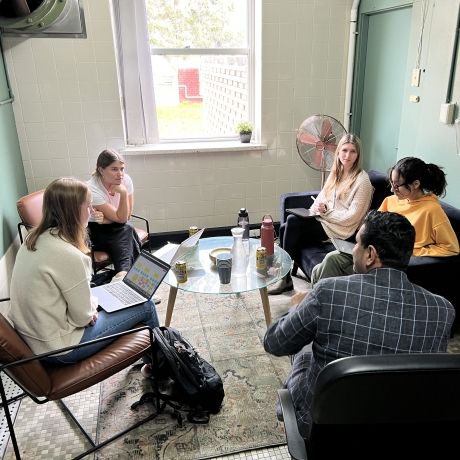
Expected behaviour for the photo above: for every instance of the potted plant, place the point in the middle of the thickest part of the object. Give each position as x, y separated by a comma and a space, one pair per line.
244, 129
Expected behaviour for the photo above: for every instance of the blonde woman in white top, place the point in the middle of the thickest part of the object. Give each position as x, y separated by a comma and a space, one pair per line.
340, 206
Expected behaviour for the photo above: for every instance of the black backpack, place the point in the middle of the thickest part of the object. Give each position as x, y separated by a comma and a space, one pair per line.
189, 380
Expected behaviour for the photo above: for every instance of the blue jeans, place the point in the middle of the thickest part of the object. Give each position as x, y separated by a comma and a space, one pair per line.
108, 324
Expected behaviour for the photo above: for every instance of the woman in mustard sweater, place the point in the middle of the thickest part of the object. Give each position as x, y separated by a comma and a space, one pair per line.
416, 186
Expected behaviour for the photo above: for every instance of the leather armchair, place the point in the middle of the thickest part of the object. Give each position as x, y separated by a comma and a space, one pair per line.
44, 383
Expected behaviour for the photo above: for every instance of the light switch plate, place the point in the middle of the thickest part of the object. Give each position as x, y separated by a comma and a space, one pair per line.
416, 77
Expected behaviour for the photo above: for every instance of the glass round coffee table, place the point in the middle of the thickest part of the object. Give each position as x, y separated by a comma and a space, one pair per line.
202, 276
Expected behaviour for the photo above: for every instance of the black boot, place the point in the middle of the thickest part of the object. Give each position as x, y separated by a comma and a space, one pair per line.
283, 285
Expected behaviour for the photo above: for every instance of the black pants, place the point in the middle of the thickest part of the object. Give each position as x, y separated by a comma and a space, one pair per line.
295, 230
120, 241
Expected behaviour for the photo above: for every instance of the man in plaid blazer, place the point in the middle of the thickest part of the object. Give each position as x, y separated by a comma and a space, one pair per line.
375, 311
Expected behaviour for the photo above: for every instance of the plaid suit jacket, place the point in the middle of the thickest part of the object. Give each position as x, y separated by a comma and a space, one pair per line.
374, 313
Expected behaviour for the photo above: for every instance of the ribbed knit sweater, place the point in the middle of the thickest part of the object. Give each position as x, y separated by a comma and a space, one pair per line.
344, 215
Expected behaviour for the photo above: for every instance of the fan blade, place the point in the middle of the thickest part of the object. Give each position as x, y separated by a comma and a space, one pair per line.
330, 147
326, 129
307, 138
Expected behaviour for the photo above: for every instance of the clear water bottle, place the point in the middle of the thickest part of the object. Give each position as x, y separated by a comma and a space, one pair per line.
243, 221
239, 254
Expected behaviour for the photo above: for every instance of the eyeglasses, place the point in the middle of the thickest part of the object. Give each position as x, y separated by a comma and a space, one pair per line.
396, 187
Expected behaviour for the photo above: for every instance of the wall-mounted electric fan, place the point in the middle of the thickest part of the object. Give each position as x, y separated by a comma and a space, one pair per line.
317, 140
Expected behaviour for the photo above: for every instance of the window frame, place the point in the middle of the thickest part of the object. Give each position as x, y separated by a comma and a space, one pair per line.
134, 83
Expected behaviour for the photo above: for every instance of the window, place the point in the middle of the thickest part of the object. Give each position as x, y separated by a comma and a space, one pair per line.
202, 68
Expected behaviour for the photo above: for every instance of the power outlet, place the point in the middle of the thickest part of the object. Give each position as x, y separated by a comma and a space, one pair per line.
255, 233
446, 114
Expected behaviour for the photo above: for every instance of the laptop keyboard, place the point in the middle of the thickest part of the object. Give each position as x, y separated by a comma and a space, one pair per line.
123, 293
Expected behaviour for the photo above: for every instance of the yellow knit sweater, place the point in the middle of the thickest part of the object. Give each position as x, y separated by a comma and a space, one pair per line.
434, 235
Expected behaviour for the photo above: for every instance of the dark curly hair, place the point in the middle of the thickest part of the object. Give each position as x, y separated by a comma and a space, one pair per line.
392, 235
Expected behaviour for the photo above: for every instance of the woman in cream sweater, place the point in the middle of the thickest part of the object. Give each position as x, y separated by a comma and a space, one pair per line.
340, 206
56, 308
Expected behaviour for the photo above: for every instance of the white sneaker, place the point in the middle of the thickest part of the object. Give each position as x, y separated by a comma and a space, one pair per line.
146, 371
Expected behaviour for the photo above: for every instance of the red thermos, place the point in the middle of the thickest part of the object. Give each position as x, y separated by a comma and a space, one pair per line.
267, 234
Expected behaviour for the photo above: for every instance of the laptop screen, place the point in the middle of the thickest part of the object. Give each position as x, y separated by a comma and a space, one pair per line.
146, 274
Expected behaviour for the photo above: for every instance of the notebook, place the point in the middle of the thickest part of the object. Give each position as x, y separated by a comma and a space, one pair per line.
138, 286
171, 253
343, 246
301, 212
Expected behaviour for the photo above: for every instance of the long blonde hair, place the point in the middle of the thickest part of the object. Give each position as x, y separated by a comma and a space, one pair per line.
335, 180
62, 203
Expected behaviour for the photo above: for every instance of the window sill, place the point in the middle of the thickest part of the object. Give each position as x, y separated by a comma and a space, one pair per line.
192, 147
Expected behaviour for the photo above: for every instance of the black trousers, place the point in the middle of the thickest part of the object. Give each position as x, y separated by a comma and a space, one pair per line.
120, 241
296, 229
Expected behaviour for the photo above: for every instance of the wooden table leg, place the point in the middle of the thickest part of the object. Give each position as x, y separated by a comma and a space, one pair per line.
171, 302
266, 305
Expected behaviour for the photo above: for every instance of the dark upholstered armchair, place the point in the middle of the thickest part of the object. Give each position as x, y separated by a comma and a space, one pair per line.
437, 274
381, 407
30, 212
44, 383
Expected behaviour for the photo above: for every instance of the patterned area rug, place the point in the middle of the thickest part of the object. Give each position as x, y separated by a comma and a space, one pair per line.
228, 332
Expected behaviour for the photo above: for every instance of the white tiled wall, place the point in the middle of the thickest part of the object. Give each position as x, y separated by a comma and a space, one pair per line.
67, 109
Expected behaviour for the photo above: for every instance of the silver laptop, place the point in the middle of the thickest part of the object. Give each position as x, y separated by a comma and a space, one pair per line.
138, 286
171, 253
343, 246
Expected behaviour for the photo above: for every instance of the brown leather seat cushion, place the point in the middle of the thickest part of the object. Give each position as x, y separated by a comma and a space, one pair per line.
58, 382
101, 257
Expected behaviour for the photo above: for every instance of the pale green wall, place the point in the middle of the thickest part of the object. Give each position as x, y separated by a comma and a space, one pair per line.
12, 179
421, 133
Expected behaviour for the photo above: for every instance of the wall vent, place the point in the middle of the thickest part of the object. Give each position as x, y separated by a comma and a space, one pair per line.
42, 18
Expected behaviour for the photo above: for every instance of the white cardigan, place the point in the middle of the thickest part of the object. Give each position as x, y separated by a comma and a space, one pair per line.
51, 301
